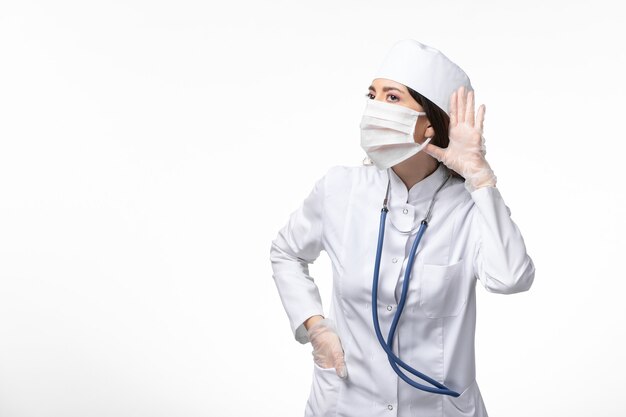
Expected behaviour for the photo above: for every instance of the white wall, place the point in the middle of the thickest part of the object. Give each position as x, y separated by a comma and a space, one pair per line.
151, 150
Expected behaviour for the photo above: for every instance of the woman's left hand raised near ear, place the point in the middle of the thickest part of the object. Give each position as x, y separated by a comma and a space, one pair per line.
466, 151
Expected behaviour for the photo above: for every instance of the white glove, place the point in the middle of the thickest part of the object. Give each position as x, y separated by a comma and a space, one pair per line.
466, 151
327, 350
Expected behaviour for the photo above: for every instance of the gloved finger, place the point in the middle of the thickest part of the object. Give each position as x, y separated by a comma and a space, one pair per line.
340, 367
453, 108
480, 116
469, 113
460, 110
342, 371
434, 151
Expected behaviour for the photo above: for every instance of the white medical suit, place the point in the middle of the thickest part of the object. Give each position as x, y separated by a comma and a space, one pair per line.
470, 235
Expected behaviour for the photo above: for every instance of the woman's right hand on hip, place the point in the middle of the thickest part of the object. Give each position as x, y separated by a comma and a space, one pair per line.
327, 349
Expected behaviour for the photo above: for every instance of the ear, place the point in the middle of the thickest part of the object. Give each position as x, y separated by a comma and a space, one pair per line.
430, 131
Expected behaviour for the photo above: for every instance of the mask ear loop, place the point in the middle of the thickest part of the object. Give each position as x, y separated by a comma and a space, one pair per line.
426, 140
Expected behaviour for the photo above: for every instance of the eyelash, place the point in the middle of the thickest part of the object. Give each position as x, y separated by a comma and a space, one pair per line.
390, 95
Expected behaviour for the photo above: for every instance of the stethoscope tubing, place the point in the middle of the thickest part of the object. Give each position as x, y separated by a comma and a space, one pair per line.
394, 360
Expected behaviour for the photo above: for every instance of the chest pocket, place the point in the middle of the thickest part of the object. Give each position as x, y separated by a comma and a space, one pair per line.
442, 289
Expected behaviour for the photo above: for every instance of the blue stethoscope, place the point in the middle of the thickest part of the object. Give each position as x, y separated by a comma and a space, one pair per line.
387, 345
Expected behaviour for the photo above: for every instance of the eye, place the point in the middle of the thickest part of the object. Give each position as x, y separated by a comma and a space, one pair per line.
395, 98
369, 95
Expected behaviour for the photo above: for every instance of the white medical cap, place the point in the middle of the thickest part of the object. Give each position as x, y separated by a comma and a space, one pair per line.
424, 69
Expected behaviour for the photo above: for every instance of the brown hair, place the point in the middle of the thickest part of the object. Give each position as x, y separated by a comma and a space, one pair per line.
439, 120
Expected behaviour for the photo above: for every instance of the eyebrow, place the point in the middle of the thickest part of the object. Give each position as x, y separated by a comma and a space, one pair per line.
386, 88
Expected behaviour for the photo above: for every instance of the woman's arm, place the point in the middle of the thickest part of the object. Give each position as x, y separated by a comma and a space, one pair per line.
500, 259
296, 246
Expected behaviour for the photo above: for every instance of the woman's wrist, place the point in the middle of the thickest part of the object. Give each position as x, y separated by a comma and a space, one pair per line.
485, 177
312, 320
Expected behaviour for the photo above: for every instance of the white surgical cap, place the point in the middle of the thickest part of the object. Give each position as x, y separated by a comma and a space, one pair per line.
424, 69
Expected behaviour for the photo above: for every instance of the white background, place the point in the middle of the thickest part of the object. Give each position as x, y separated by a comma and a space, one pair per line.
151, 150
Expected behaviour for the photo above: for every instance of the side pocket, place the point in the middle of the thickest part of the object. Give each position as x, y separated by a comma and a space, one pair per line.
324, 393
442, 289
468, 404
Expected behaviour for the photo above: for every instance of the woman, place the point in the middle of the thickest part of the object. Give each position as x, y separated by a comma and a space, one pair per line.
420, 131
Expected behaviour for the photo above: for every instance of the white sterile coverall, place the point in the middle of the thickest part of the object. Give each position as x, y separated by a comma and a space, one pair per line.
470, 235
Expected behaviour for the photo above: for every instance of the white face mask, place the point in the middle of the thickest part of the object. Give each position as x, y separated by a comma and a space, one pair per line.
387, 133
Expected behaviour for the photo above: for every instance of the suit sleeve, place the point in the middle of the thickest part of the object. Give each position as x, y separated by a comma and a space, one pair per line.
500, 260
298, 244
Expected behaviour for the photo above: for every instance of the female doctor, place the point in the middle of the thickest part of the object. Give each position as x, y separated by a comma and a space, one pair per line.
399, 337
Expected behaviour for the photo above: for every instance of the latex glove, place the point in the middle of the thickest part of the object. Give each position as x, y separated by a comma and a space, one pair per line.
327, 349
466, 151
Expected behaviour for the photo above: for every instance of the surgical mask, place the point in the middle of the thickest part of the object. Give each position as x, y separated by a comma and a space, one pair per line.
387, 133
